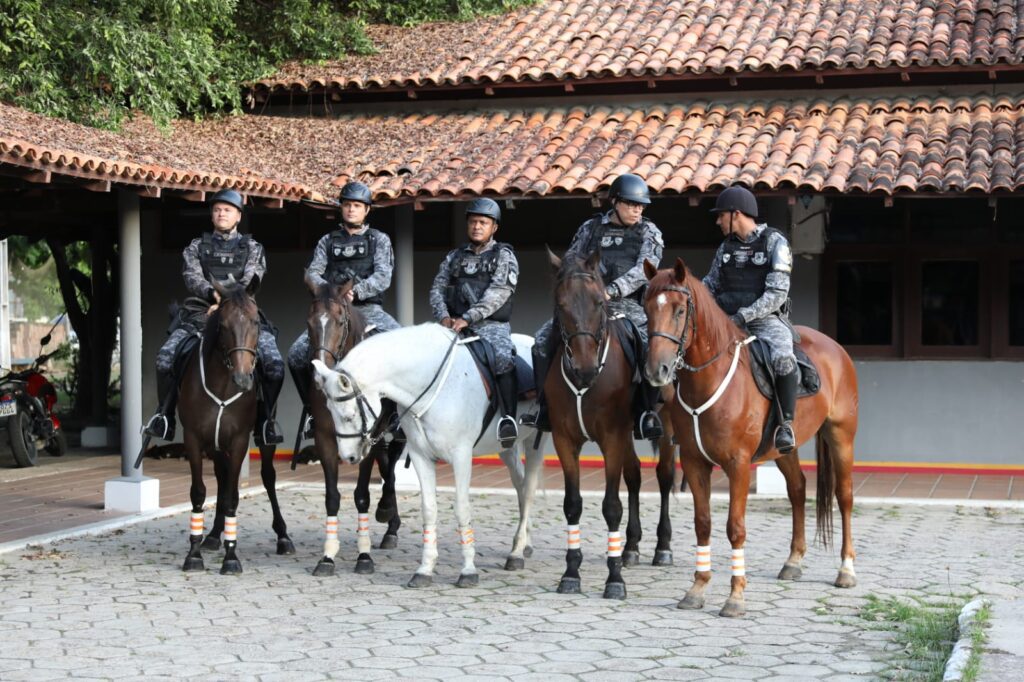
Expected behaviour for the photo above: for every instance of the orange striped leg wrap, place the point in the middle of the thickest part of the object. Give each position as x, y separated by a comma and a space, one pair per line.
466, 536
195, 524
703, 558
614, 543
739, 564
230, 529
331, 544
572, 536
331, 530
363, 534
430, 536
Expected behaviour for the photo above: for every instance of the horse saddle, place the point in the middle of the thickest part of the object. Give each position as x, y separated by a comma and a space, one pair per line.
764, 372
182, 355
632, 344
483, 354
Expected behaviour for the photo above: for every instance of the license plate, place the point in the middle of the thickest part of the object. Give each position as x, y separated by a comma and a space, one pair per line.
8, 408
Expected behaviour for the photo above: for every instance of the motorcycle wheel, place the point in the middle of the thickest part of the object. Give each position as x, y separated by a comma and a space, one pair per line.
23, 442
57, 446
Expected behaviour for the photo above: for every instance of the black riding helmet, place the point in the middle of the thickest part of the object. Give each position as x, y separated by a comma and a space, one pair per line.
356, 191
485, 207
736, 198
230, 197
629, 187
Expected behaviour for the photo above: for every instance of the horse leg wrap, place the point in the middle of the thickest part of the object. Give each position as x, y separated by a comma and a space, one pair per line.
230, 529
739, 564
614, 544
848, 566
703, 558
466, 536
195, 526
572, 536
363, 534
331, 544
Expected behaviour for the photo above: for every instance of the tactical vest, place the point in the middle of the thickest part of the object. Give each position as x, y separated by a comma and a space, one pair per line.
350, 256
743, 271
471, 275
220, 258
620, 249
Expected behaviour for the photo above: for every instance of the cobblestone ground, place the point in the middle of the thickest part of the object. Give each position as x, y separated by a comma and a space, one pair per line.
118, 607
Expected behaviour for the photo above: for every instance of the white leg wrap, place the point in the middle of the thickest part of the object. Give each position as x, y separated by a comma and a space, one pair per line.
363, 534
331, 544
703, 558
466, 537
195, 525
614, 543
230, 529
848, 566
429, 558
572, 537
739, 564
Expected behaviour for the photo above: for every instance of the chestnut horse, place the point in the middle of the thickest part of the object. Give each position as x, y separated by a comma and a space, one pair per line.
334, 327
694, 344
218, 412
589, 398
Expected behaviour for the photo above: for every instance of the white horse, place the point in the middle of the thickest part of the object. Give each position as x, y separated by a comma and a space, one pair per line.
432, 377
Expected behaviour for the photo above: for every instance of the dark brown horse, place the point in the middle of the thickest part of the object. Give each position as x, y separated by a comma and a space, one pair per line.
589, 398
334, 327
218, 412
719, 414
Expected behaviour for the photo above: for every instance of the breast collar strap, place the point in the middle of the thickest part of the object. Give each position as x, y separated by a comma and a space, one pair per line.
578, 392
221, 404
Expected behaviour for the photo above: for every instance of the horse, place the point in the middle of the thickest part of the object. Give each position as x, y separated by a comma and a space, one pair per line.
335, 326
218, 412
694, 344
442, 400
585, 401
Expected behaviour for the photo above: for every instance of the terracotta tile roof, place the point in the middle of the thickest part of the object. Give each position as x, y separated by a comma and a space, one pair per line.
572, 40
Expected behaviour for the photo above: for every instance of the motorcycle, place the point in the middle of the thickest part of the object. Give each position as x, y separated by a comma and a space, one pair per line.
27, 420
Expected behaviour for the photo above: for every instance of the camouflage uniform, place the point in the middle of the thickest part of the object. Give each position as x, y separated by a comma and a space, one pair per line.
494, 302
768, 261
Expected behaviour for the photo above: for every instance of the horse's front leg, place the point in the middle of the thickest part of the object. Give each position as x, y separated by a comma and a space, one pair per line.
525, 491
569, 456
796, 487
212, 540
238, 449
666, 481
697, 474
631, 474
269, 476
425, 471
197, 494
739, 487
332, 501
462, 468
614, 449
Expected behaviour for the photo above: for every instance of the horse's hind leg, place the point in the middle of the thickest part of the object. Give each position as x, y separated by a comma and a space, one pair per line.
269, 476
212, 540
197, 494
388, 505
332, 501
666, 480
839, 443
796, 487
631, 474
364, 562
569, 456
526, 490
697, 473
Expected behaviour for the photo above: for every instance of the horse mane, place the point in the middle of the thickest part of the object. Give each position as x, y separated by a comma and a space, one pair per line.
713, 324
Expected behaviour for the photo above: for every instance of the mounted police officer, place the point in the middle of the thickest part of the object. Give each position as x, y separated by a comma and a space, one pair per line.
750, 280
220, 254
625, 239
355, 251
474, 289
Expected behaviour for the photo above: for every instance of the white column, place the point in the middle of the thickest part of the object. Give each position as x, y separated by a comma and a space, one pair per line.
405, 290
131, 491
5, 308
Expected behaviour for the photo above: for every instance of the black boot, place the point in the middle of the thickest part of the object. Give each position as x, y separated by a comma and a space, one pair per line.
161, 425
648, 423
267, 430
303, 379
785, 389
507, 429
539, 419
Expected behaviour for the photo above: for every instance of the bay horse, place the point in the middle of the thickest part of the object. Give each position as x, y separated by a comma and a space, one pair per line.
695, 344
432, 377
218, 412
590, 398
334, 326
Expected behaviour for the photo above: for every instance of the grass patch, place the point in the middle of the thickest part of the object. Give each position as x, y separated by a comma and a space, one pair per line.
926, 633
978, 639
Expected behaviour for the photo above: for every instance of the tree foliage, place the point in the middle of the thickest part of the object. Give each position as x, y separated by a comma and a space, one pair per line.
96, 61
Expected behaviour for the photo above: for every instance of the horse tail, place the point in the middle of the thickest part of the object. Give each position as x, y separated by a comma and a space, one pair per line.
826, 490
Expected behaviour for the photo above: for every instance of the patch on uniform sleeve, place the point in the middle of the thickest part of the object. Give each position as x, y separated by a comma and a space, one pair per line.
513, 277
782, 259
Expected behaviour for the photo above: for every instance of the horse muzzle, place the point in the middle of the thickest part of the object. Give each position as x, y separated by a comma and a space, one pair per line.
244, 381
658, 373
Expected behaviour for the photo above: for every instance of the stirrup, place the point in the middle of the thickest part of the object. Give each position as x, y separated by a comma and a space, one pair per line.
268, 434
505, 424
307, 427
649, 426
159, 426
785, 439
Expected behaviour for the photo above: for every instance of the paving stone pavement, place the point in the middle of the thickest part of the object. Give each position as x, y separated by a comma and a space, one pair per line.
117, 606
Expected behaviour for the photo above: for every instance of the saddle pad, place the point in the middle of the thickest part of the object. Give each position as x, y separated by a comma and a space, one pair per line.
764, 373
631, 342
483, 353
524, 377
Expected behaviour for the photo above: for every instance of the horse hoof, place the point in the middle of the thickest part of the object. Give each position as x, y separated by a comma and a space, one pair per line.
385, 514
193, 563
691, 602
615, 590
528, 551
364, 566
631, 557
790, 572
324, 569
569, 586
211, 542
468, 580
389, 541
733, 609
231, 567
515, 563
420, 580
846, 579
285, 546
663, 557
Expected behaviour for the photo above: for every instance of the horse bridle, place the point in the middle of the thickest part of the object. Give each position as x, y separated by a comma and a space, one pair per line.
367, 427
600, 336
689, 323
336, 353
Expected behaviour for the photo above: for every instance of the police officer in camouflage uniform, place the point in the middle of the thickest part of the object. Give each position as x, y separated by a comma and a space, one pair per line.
750, 280
220, 254
474, 289
626, 239
355, 251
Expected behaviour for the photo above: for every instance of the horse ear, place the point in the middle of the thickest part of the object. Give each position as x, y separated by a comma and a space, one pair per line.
593, 260
680, 270
344, 288
650, 269
556, 262
253, 286
321, 374
218, 286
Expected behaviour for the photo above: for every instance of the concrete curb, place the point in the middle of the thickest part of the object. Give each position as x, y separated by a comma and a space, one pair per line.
964, 647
